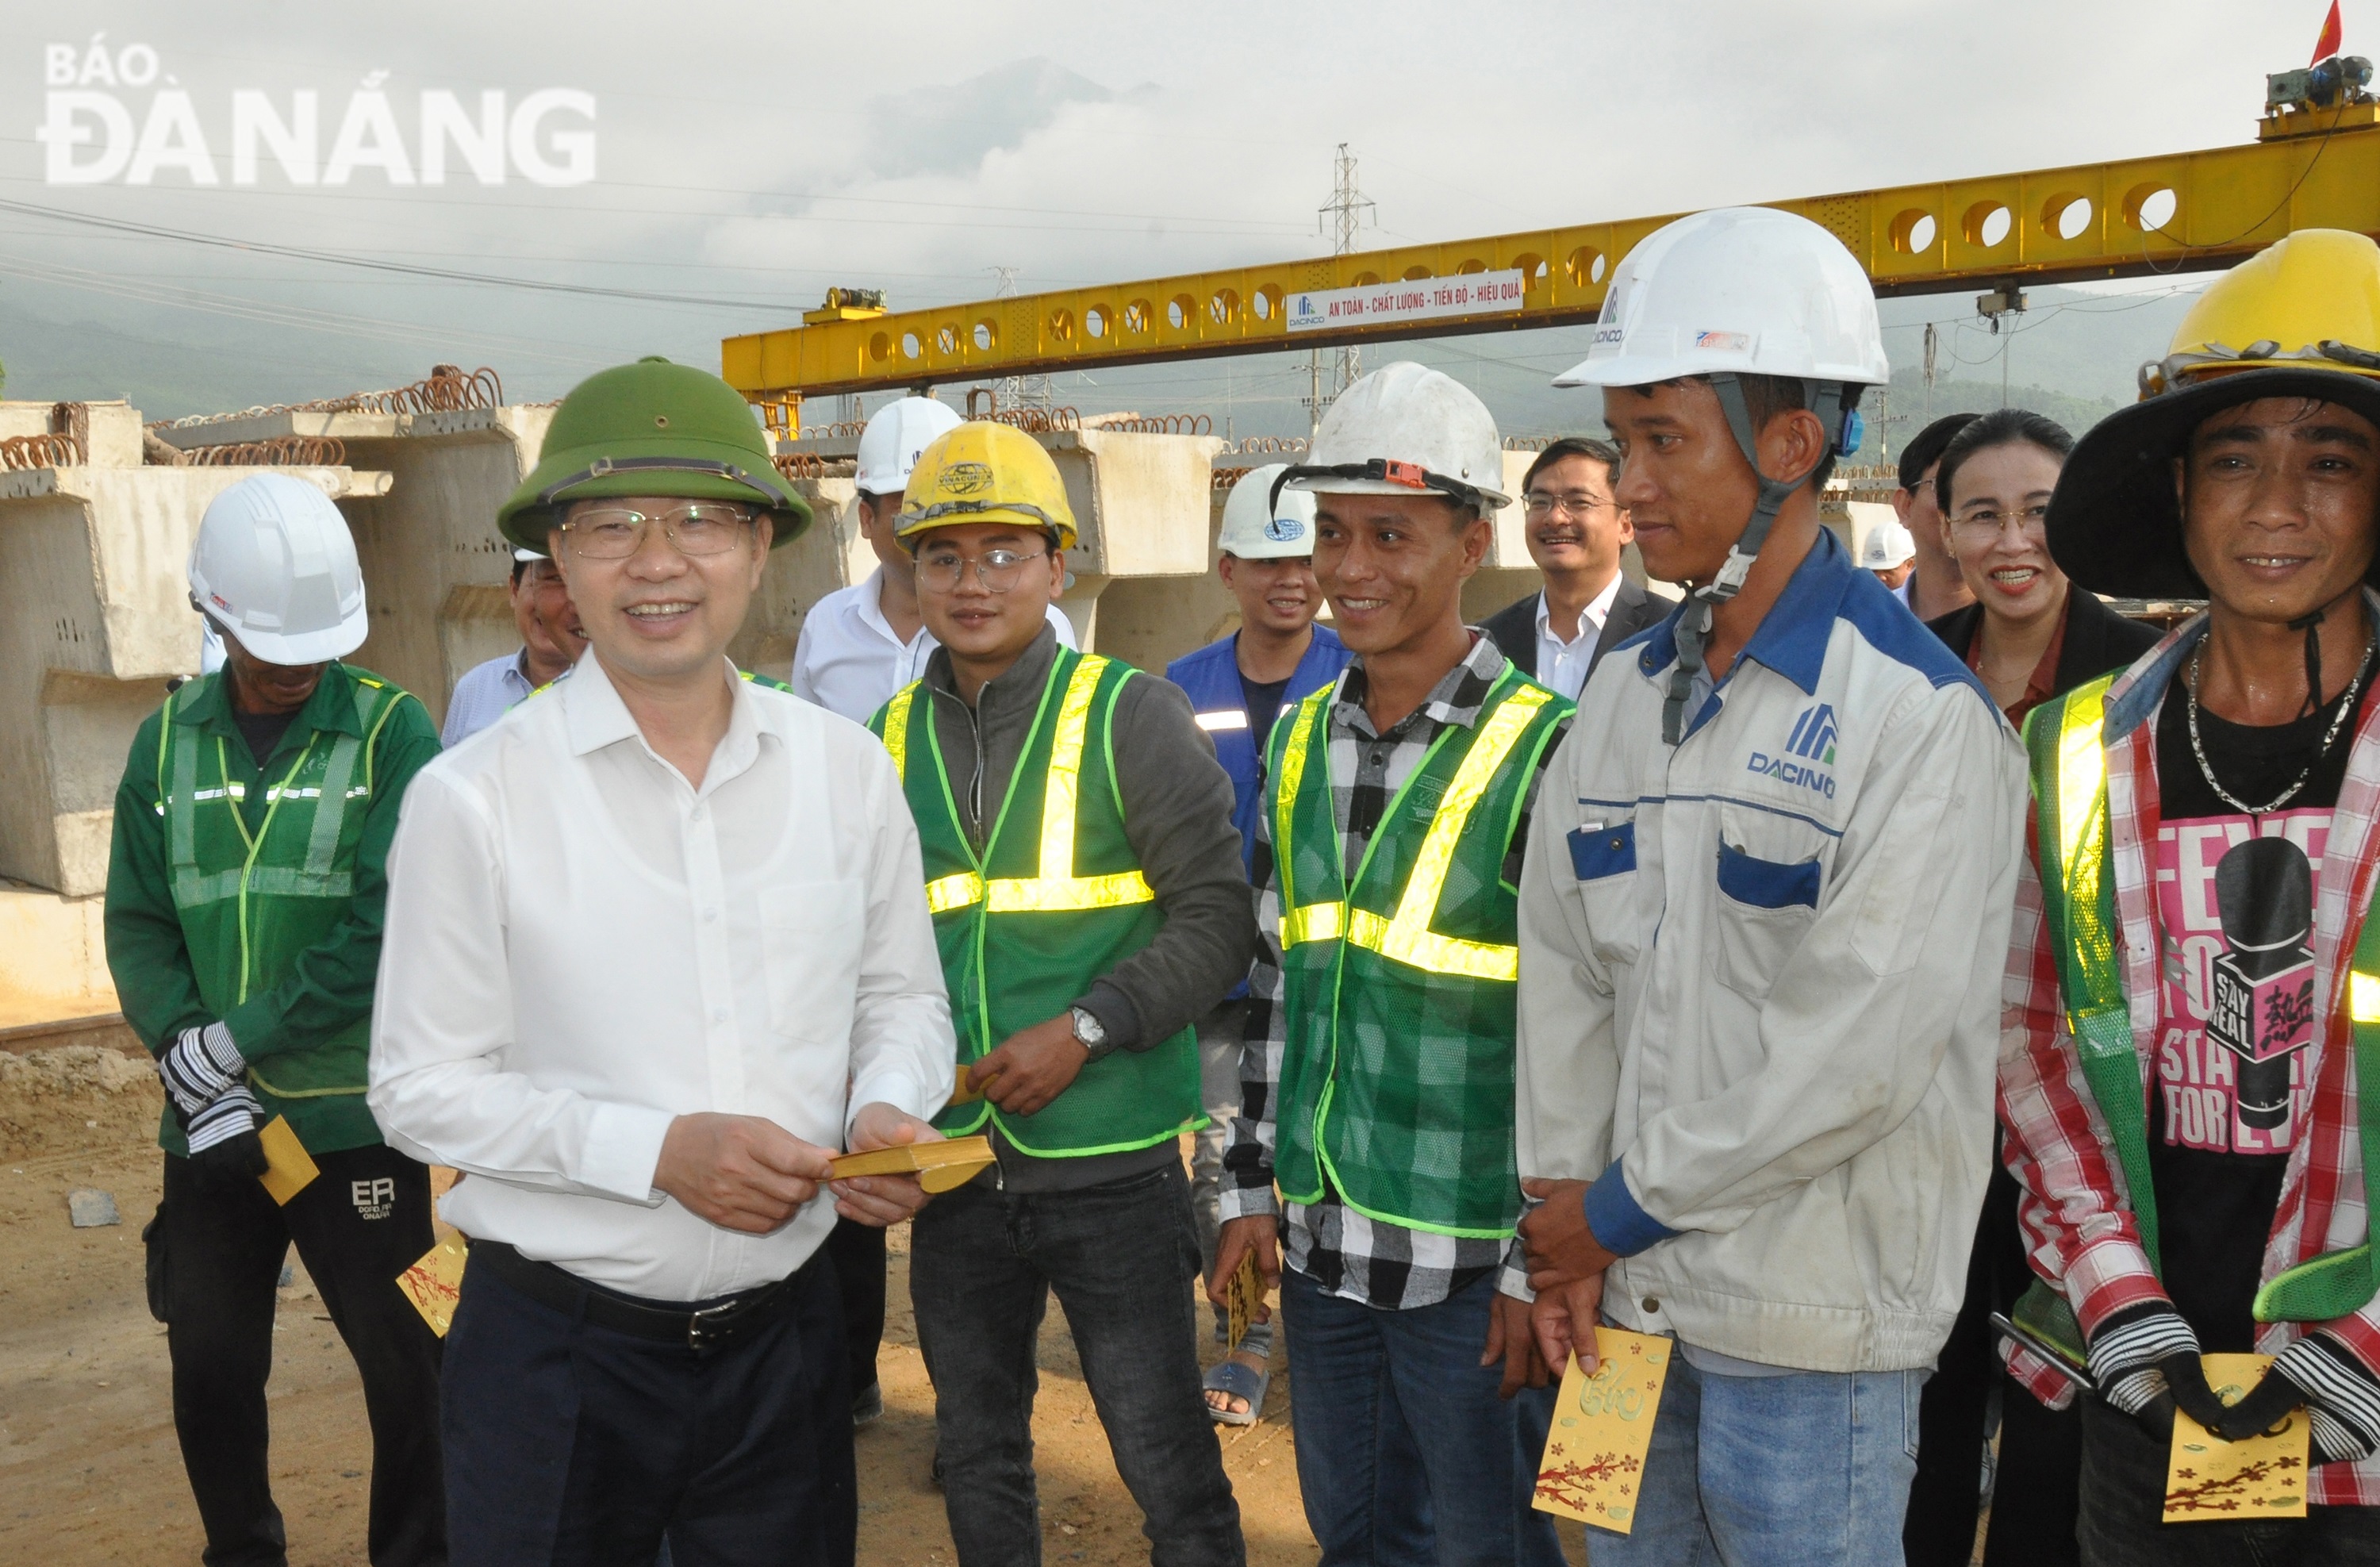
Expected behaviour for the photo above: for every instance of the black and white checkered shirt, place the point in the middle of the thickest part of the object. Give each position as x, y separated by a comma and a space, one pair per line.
1348, 1253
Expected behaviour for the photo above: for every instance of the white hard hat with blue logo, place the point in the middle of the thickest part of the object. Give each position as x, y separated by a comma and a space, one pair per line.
1256, 528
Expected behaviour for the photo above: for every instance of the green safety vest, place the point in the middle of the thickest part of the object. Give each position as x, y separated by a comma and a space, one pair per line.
2069, 758
1397, 1078
249, 905
1055, 900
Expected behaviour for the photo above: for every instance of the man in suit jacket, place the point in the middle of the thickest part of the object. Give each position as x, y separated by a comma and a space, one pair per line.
1558, 634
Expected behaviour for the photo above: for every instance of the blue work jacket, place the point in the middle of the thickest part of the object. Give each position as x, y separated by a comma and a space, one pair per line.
1211, 677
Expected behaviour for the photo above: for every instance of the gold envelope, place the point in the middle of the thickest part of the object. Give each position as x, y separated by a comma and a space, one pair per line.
2262, 1477
938, 1166
435, 1283
290, 1168
1602, 1428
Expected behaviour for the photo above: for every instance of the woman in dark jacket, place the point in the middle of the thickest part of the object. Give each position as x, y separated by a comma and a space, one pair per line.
2029, 635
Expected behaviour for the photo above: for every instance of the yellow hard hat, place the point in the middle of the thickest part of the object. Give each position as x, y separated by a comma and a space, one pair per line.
2298, 319
985, 472
2294, 305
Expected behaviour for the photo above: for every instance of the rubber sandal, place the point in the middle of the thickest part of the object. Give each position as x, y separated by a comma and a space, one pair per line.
1243, 1381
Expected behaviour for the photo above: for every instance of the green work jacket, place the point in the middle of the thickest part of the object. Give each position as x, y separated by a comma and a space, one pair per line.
288, 969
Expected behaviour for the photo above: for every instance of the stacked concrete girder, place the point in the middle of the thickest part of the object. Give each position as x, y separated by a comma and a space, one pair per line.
97, 620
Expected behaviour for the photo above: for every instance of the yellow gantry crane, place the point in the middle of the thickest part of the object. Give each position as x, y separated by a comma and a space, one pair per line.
2315, 164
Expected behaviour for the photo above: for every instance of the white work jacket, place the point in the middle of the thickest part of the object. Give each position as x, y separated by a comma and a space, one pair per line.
1760, 981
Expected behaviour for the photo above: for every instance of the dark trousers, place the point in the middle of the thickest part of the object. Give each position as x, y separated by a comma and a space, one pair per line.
2034, 1503
1122, 1259
574, 1445
361, 1223
2124, 1506
857, 1253
1406, 1454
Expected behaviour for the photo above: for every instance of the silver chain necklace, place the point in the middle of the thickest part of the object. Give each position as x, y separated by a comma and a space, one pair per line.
2330, 738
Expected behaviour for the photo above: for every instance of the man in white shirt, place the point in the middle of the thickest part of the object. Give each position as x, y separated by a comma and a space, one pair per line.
551, 643
644, 1078
1575, 532
860, 644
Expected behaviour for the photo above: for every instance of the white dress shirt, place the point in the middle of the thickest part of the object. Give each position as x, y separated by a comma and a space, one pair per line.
1562, 665
485, 694
849, 660
580, 948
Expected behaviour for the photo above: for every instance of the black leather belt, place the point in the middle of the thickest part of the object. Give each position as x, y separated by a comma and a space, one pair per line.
699, 1329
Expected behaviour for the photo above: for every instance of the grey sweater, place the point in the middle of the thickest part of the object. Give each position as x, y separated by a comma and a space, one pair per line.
1177, 817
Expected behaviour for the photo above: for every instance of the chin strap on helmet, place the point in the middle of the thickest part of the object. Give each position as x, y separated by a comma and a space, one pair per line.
2312, 625
1836, 402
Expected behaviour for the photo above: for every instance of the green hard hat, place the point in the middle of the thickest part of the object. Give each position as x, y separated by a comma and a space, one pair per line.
651, 428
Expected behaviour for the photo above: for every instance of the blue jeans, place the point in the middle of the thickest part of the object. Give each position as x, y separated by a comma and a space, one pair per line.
1808, 1469
982, 1265
1406, 1455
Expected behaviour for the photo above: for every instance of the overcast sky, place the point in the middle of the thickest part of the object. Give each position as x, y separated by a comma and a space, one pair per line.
756, 153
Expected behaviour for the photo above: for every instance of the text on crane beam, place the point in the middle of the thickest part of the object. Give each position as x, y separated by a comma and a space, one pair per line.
1380, 304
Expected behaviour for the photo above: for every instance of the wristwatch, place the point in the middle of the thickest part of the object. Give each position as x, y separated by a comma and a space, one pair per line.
1091, 1034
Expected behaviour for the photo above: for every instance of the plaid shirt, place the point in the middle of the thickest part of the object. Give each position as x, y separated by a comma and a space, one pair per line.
2078, 1226
1363, 1259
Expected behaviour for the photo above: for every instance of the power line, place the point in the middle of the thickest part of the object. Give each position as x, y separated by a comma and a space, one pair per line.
335, 258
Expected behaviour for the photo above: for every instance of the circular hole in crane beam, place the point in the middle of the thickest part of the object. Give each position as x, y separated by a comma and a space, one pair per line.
2065, 215
2150, 207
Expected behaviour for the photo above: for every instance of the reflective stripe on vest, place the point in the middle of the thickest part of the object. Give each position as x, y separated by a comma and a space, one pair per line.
2067, 745
1405, 936
896, 732
1056, 889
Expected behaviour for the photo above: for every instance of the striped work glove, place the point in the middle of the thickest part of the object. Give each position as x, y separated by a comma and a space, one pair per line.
201, 1067
202, 1072
2340, 1397
2145, 1360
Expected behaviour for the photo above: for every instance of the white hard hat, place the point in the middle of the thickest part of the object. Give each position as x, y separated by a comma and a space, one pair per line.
275, 566
1748, 289
1888, 545
1259, 527
1403, 430
895, 434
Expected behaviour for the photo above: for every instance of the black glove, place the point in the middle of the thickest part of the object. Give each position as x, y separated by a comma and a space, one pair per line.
2145, 1360
2340, 1397
200, 1066
224, 1144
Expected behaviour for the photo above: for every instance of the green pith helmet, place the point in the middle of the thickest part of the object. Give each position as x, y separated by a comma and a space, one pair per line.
651, 428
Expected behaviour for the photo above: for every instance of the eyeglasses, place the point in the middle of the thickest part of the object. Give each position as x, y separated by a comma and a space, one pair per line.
1541, 506
1982, 527
944, 570
698, 527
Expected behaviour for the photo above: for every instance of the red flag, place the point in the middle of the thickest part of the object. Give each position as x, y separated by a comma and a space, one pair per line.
2327, 44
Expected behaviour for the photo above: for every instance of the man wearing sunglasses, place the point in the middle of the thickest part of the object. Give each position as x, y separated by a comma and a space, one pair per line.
645, 1077
1084, 878
1575, 531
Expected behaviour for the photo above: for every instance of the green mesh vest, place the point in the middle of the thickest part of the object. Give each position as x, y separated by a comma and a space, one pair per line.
1396, 1081
249, 904
1055, 900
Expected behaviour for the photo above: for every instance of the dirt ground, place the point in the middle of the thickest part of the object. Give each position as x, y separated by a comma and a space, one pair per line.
89, 1472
